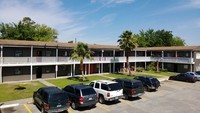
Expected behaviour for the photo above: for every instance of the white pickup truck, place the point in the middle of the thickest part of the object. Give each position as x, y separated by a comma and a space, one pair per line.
107, 90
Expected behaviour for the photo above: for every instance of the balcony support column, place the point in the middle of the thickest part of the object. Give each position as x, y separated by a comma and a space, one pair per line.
145, 63
110, 68
71, 70
114, 61
162, 59
31, 71
1, 77
56, 69
74, 69
85, 68
191, 67
135, 62
102, 60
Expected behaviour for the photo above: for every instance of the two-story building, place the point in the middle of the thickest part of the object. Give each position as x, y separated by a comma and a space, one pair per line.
29, 60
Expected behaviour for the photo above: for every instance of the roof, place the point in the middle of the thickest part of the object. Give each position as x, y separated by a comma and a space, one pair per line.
93, 46
131, 80
51, 89
80, 86
171, 48
52, 44
105, 81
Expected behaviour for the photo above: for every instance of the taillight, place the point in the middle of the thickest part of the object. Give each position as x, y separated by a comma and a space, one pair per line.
81, 99
108, 94
132, 91
47, 106
96, 96
69, 102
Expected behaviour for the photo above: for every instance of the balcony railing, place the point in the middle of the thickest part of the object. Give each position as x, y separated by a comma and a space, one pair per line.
67, 60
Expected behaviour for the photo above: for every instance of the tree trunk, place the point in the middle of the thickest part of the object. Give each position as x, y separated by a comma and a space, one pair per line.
127, 63
157, 66
82, 70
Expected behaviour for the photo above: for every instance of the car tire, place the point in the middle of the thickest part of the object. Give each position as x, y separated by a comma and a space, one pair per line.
147, 89
43, 110
125, 96
101, 99
73, 105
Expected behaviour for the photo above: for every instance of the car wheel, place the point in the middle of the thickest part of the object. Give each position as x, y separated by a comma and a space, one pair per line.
43, 110
73, 105
101, 99
146, 88
125, 96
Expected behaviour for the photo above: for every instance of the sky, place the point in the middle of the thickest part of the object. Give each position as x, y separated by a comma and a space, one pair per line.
103, 21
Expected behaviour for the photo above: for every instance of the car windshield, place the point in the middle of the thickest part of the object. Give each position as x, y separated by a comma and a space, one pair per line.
154, 80
88, 91
114, 86
137, 84
58, 97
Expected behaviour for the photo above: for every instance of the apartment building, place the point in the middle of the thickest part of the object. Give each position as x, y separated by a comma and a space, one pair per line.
29, 60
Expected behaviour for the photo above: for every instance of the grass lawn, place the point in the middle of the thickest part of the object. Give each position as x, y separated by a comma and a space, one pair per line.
18, 91
75, 80
164, 74
120, 75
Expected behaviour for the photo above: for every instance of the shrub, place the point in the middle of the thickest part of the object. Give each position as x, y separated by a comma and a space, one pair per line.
140, 69
151, 67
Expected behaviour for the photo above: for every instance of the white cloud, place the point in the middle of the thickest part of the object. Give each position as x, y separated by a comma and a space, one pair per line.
107, 19
108, 2
49, 12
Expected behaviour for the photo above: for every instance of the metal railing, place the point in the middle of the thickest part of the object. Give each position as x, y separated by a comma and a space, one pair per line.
28, 60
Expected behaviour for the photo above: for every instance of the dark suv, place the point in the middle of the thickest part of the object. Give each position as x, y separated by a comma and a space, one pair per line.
148, 82
81, 95
51, 99
131, 87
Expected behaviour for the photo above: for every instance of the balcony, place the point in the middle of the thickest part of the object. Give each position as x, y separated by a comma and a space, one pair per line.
67, 60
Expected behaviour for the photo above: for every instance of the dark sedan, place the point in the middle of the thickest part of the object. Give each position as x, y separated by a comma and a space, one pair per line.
148, 82
183, 77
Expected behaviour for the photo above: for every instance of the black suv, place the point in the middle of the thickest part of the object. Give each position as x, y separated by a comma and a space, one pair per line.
81, 95
148, 82
51, 99
131, 87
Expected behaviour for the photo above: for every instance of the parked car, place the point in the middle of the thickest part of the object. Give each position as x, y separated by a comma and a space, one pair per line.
198, 72
183, 77
81, 95
196, 75
131, 87
107, 90
51, 99
148, 82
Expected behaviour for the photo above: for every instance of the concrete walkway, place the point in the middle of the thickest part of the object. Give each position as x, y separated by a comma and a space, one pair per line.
46, 83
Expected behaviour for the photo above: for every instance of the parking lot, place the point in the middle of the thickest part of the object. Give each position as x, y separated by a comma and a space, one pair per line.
171, 97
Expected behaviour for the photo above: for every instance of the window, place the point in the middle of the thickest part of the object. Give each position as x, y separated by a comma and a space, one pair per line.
104, 87
18, 71
48, 53
77, 92
127, 84
97, 85
18, 53
92, 84
88, 91
185, 66
69, 89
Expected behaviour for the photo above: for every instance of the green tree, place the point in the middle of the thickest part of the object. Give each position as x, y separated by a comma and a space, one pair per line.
27, 29
177, 41
81, 51
127, 41
159, 38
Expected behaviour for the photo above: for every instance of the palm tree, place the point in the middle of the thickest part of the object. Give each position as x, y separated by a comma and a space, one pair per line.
127, 42
81, 51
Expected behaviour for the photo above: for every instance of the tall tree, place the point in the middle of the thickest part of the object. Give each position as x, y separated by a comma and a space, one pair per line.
151, 38
127, 42
177, 41
81, 51
27, 29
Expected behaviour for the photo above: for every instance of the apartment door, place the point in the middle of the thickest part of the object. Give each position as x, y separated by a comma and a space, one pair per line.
38, 72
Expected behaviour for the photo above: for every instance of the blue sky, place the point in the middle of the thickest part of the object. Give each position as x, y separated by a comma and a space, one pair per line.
103, 21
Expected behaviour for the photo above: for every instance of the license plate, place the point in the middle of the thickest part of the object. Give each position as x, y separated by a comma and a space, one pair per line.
90, 98
59, 105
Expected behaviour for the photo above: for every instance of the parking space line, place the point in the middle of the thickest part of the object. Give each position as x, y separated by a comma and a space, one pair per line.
102, 107
70, 110
27, 108
125, 102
